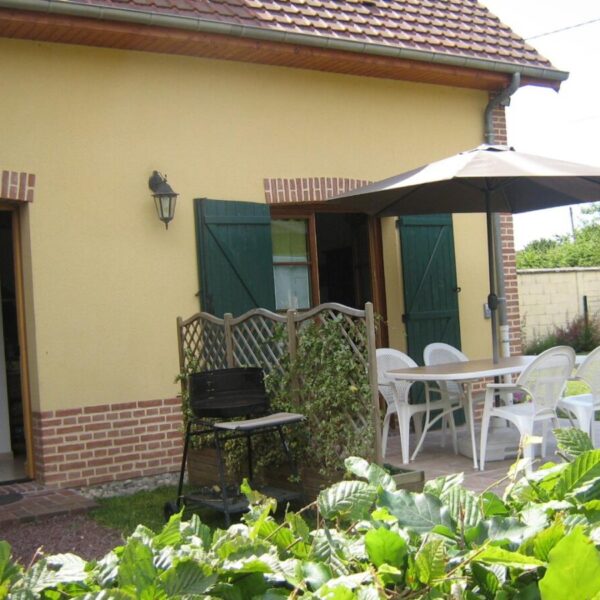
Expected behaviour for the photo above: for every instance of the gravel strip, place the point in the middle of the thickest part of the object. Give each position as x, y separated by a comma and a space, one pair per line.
129, 486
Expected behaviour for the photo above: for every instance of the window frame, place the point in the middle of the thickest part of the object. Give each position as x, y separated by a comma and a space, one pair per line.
312, 260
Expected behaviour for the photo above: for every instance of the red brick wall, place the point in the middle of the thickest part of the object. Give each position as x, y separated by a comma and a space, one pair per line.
308, 189
85, 446
16, 185
508, 249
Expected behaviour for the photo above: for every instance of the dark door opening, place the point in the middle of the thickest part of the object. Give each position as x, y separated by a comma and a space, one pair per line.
344, 262
13, 453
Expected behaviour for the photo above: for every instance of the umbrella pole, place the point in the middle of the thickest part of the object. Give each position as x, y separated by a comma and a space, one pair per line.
492, 298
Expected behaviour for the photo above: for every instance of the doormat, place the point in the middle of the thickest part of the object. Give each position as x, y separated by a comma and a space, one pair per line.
9, 498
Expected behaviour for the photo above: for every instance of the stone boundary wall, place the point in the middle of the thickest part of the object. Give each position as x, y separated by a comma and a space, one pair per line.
553, 297
85, 446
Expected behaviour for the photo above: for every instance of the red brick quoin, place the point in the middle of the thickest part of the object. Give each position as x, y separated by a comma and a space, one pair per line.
86, 446
16, 185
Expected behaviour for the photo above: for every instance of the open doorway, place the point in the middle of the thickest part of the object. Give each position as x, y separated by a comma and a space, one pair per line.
344, 259
13, 447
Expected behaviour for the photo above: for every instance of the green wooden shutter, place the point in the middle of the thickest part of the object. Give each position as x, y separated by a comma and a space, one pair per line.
235, 256
430, 288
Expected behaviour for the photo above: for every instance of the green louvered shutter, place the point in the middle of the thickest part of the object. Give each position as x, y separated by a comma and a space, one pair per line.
235, 256
430, 288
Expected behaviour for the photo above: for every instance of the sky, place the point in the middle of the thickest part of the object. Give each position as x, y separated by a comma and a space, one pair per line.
564, 125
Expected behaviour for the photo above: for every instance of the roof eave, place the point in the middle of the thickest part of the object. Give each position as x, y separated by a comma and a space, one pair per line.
530, 74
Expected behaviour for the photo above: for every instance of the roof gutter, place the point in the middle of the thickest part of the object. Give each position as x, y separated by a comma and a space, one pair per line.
499, 322
140, 17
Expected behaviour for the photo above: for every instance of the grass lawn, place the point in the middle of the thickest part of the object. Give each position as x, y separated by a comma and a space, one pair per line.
576, 387
125, 513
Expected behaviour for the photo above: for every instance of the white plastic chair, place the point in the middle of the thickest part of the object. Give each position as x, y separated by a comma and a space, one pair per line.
459, 394
543, 382
439, 353
583, 406
396, 395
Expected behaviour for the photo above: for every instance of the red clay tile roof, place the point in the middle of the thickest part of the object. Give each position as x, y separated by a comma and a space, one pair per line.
454, 27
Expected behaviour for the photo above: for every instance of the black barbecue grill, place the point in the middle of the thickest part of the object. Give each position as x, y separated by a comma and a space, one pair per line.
228, 404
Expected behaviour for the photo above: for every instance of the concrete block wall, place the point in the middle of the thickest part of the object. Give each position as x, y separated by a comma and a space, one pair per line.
554, 297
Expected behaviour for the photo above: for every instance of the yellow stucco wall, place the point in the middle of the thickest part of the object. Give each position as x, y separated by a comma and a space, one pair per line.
104, 280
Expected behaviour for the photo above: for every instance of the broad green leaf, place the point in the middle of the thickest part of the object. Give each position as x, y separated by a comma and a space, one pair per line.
545, 540
430, 562
486, 579
298, 526
440, 486
592, 511
197, 528
226, 591
9, 571
416, 512
587, 492
373, 473
464, 507
332, 547
493, 506
186, 577
283, 538
390, 575
68, 567
112, 595
251, 585
368, 593
171, 533
535, 516
385, 547
274, 594
316, 574
347, 498
343, 585
136, 568
445, 532
584, 468
573, 571
383, 514
49, 572
572, 441
264, 563
107, 570
496, 555
497, 529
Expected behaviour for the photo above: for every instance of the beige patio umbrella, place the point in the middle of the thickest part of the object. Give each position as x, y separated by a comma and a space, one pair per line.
486, 179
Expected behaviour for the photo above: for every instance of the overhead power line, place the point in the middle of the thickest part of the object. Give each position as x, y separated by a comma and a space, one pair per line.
576, 26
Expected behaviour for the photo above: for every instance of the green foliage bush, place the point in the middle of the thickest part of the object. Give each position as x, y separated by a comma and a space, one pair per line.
564, 251
582, 334
370, 540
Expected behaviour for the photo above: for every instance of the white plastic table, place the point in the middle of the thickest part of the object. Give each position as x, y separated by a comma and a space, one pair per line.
464, 373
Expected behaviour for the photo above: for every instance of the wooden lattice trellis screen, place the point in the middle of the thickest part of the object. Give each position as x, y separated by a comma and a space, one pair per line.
207, 342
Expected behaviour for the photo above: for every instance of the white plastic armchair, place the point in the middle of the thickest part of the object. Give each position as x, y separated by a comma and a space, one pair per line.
439, 353
451, 392
542, 382
583, 406
396, 395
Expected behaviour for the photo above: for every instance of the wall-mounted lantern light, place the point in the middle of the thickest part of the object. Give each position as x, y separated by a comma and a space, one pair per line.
164, 197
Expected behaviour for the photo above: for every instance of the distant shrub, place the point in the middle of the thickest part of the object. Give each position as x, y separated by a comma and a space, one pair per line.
581, 334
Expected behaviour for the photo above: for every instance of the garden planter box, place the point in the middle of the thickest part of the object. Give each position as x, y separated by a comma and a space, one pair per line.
203, 470
407, 479
312, 482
